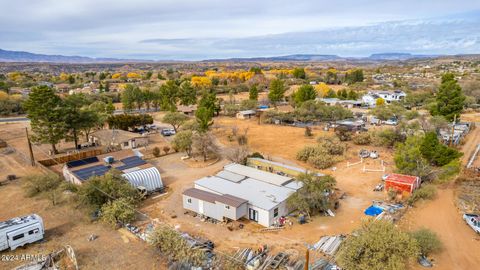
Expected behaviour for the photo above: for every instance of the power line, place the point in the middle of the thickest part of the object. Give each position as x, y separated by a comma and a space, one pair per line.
136, 210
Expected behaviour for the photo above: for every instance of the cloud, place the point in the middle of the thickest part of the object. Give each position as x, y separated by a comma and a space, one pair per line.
199, 29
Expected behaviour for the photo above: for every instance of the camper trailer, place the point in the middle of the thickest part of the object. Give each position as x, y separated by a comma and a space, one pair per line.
20, 231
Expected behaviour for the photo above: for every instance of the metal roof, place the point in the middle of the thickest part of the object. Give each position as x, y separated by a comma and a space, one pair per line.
149, 178
401, 178
212, 197
293, 168
263, 176
81, 162
20, 221
258, 193
130, 162
231, 176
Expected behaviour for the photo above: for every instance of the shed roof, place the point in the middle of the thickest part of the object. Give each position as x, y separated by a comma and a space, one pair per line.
247, 112
250, 172
401, 178
212, 197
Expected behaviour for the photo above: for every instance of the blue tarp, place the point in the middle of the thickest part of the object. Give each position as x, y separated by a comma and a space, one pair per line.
373, 211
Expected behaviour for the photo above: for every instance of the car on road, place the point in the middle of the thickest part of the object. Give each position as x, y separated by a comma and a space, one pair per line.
168, 132
473, 220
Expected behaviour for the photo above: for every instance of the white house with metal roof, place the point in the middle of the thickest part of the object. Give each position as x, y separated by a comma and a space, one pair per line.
264, 194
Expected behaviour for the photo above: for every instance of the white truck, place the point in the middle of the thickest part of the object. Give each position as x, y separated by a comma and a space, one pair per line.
473, 221
20, 231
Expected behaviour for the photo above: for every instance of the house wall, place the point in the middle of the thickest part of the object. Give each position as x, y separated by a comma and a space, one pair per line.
135, 143
69, 176
215, 210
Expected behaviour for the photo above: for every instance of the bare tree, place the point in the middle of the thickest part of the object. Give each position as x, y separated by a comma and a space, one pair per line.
237, 154
204, 145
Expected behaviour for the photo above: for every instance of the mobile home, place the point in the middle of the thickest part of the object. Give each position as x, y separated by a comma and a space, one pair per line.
20, 231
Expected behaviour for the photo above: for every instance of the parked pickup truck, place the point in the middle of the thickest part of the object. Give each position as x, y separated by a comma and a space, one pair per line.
473, 221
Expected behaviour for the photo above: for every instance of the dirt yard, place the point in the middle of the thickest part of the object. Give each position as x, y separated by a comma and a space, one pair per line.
68, 226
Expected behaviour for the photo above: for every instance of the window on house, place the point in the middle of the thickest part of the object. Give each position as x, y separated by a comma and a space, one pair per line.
189, 200
18, 236
227, 206
33, 231
275, 212
125, 144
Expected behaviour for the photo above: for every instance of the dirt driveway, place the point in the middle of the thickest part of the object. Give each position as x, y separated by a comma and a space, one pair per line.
66, 225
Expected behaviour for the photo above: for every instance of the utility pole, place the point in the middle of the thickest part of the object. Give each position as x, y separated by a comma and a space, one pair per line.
32, 158
453, 128
307, 259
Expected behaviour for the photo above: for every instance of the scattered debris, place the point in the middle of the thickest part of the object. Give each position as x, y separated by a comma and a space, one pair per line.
328, 244
425, 262
92, 237
64, 259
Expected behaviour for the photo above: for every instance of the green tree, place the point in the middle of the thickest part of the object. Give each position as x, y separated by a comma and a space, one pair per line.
128, 97
427, 241
352, 95
256, 70
409, 158
118, 211
204, 145
299, 73
183, 141
377, 245
203, 115
169, 96
314, 196
304, 93
276, 91
450, 99
176, 119
99, 190
435, 152
45, 110
353, 76
187, 94
75, 117
253, 93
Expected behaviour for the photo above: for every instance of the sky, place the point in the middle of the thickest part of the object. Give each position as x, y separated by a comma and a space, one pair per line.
207, 29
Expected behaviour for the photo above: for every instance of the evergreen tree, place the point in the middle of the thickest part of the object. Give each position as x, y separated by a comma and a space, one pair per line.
449, 99
45, 110
304, 93
253, 93
277, 90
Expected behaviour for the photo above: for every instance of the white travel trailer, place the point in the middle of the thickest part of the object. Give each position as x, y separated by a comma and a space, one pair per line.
20, 231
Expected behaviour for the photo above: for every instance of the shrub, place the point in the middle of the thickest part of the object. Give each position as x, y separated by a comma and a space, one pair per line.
377, 245
118, 211
387, 137
308, 131
426, 192
449, 171
362, 138
322, 161
41, 183
156, 151
166, 149
411, 115
173, 245
343, 134
427, 241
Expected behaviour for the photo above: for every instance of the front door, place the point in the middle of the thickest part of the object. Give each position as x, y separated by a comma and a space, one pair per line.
200, 206
253, 214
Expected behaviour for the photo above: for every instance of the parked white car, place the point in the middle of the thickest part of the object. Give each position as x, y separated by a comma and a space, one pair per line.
473, 221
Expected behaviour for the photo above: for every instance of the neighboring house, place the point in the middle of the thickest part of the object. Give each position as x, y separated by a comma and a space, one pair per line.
187, 110
371, 97
344, 103
402, 183
134, 169
246, 114
246, 192
118, 138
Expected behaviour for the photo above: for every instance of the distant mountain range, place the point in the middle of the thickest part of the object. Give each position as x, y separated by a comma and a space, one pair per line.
18, 56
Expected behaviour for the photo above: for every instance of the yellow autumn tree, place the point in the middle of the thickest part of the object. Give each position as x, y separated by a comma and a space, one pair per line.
133, 75
3, 96
15, 76
201, 82
116, 75
322, 89
63, 76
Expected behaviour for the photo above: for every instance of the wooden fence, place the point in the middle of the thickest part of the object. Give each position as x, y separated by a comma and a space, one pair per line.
71, 157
